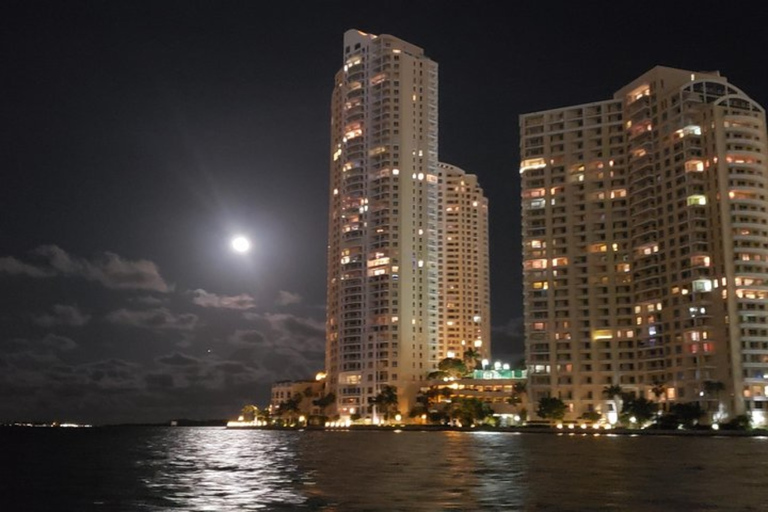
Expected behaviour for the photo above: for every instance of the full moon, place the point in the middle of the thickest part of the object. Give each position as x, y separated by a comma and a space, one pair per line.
241, 244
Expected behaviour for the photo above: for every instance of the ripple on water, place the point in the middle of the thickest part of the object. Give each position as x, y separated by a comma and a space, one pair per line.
207, 469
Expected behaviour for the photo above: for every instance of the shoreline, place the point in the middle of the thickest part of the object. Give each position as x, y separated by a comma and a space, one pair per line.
519, 430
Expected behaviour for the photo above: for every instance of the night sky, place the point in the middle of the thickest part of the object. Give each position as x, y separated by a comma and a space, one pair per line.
139, 137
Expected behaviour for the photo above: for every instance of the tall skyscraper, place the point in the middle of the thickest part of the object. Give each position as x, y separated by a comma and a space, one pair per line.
388, 283
645, 242
465, 302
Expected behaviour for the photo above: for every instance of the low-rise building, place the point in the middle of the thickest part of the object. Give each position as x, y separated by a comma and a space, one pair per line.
502, 389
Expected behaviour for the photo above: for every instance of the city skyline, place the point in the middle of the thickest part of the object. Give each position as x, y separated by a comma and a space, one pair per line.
141, 137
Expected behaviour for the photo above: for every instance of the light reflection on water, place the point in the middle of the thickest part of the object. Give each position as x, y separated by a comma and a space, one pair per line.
207, 469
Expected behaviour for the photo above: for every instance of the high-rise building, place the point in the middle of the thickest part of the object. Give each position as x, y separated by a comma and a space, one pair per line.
645, 242
390, 296
465, 302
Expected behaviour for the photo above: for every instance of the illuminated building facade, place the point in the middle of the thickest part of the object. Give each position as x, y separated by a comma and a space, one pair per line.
386, 243
645, 242
305, 392
465, 302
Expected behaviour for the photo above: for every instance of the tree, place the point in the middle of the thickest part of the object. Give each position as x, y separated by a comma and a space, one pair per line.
613, 393
290, 407
642, 409
469, 411
421, 406
712, 388
324, 401
249, 412
593, 416
551, 408
659, 389
452, 367
471, 359
687, 413
386, 401
518, 389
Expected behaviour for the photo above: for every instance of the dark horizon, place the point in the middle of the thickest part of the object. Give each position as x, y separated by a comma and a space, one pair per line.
141, 136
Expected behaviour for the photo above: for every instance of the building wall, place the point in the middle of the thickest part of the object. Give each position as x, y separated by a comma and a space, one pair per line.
384, 221
645, 244
465, 302
309, 390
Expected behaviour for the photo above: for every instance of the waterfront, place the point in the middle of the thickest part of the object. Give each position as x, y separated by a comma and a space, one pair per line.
196, 469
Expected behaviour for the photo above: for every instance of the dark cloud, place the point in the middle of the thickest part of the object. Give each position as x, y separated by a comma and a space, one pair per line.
11, 265
211, 300
157, 318
177, 359
159, 380
49, 344
230, 367
248, 337
58, 343
149, 300
109, 269
63, 315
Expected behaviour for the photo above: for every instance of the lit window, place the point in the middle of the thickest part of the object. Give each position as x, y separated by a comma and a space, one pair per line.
702, 285
602, 334
532, 163
539, 263
535, 192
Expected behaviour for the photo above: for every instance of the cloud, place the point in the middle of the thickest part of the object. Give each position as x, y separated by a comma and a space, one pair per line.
37, 348
177, 359
285, 298
58, 343
211, 300
156, 318
11, 265
159, 380
109, 269
63, 315
248, 337
149, 300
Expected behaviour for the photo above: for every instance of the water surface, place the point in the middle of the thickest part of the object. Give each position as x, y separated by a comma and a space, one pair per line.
211, 469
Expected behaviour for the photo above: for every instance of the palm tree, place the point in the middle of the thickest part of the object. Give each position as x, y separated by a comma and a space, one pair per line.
471, 358
387, 400
613, 393
713, 387
249, 412
324, 401
290, 406
659, 389
518, 389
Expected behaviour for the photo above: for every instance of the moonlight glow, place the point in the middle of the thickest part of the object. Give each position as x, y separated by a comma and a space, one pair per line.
241, 244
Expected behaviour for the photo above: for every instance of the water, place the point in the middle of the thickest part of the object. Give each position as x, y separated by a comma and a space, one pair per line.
209, 469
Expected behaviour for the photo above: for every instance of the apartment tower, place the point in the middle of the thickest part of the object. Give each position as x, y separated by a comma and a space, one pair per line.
465, 302
383, 282
407, 275
645, 242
